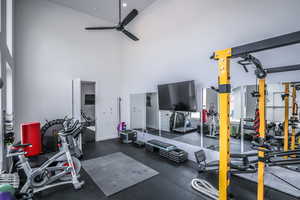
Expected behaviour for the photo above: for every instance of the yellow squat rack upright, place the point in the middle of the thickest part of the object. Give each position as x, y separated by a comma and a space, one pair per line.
290, 142
286, 116
294, 117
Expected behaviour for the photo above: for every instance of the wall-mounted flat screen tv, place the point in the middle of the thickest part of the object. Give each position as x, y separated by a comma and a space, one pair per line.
89, 99
177, 96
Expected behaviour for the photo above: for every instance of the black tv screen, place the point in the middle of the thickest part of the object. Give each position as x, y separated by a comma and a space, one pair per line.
89, 99
177, 96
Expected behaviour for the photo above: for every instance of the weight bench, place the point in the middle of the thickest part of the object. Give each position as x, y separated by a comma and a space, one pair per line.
244, 165
153, 145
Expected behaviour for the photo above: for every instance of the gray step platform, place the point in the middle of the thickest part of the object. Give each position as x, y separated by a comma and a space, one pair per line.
160, 145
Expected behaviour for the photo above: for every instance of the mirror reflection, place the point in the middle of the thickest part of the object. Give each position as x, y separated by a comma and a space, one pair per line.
200, 127
171, 112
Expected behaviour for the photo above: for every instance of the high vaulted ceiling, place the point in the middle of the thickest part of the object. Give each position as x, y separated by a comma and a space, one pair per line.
105, 9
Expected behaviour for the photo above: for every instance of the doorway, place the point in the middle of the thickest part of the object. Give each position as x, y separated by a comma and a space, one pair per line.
88, 111
152, 112
84, 109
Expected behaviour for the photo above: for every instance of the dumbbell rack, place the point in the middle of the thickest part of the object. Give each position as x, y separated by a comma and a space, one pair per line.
176, 155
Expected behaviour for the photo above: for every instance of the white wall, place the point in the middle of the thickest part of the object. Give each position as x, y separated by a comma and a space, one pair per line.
52, 48
178, 37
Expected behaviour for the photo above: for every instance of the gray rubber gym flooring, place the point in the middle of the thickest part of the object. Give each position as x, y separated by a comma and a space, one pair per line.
172, 182
116, 172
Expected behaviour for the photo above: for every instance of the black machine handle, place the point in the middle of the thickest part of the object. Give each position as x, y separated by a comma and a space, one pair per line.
77, 131
68, 120
244, 63
248, 60
284, 162
237, 169
215, 89
283, 69
70, 129
284, 153
264, 147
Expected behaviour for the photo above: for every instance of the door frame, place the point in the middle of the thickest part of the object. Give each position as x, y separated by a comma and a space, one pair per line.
76, 104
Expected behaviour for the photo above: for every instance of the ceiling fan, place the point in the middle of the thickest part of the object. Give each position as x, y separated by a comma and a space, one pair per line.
121, 26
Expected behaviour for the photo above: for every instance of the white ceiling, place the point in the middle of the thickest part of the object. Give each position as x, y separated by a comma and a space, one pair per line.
105, 9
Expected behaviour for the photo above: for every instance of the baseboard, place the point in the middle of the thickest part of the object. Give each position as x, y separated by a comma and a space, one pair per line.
106, 138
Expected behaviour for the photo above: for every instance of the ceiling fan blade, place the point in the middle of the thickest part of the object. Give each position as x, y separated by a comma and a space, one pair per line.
101, 28
130, 35
130, 17
120, 11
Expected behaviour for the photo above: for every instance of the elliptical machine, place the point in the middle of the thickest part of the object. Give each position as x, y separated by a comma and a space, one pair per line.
60, 169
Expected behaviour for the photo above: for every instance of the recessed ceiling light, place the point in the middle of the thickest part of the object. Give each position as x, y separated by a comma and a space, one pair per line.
124, 4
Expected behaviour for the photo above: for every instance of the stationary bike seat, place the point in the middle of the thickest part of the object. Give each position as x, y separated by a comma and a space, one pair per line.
18, 148
15, 150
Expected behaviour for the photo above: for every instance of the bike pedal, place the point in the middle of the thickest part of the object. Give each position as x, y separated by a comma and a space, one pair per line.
78, 185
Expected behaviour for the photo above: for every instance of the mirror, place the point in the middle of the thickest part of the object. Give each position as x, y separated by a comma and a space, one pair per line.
138, 111
152, 113
88, 111
187, 127
210, 116
275, 103
242, 107
248, 114
146, 117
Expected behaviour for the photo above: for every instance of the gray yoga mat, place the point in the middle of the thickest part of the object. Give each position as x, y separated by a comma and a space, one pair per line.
116, 172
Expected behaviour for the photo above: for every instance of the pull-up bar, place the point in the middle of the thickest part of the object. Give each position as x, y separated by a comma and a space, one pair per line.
283, 69
271, 43
297, 83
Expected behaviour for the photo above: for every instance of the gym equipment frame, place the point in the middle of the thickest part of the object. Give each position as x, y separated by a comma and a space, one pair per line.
61, 169
294, 119
286, 116
290, 122
224, 57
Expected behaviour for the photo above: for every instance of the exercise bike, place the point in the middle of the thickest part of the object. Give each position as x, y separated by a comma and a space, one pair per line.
60, 169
